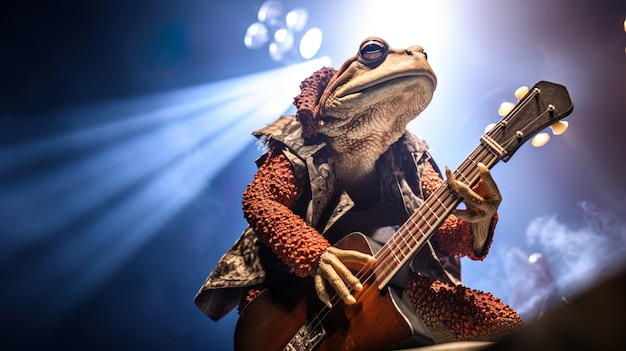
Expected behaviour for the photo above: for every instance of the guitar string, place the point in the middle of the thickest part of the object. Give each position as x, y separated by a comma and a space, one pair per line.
382, 256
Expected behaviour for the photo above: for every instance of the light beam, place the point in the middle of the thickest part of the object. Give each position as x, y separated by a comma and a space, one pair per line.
147, 158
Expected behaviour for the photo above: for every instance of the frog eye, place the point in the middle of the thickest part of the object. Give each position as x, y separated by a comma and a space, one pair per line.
373, 51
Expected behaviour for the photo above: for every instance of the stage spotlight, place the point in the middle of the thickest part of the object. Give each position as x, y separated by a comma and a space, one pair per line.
310, 43
296, 19
284, 39
282, 32
270, 12
256, 36
282, 44
275, 52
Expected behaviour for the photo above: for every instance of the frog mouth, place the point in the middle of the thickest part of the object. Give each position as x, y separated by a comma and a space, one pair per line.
400, 80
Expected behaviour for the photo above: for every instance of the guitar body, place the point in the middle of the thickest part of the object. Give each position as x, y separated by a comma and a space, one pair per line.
379, 320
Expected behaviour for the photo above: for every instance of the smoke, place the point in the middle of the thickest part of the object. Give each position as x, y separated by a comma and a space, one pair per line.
567, 260
578, 257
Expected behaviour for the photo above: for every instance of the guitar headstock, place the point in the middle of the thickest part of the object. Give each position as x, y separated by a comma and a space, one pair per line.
545, 104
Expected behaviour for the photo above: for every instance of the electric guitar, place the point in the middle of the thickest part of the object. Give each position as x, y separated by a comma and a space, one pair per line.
289, 316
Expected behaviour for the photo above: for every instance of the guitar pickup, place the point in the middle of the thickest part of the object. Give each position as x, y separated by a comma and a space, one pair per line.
307, 337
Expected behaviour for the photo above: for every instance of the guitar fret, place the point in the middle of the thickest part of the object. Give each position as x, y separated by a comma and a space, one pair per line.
394, 253
412, 236
406, 230
470, 158
409, 231
442, 204
406, 245
464, 177
400, 251
431, 210
403, 240
424, 218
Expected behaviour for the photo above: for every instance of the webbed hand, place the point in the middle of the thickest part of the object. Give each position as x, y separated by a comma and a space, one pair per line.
481, 204
332, 269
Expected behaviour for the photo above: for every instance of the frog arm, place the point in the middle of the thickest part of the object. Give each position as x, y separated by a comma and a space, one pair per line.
267, 203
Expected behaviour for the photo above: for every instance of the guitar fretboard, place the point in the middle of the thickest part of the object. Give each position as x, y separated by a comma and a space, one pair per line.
423, 223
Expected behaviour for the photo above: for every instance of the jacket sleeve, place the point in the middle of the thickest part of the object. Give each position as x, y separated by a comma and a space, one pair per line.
267, 203
455, 236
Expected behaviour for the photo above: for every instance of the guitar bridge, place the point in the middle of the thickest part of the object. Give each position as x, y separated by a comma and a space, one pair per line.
307, 337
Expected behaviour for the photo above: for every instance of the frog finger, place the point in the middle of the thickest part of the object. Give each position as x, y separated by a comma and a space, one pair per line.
327, 271
351, 255
453, 183
463, 190
345, 274
469, 215
489, 184
320, 289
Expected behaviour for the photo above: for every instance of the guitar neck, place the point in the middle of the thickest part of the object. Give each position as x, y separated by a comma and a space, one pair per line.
543, 105
423, 223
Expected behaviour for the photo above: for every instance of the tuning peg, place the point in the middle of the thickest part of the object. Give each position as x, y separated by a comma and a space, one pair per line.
540, 139
505, 108
559, 127
521, 92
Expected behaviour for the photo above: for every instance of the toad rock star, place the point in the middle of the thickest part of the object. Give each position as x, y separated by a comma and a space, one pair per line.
344, 163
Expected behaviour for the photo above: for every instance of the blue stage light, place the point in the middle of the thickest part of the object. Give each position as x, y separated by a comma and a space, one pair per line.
91, 211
